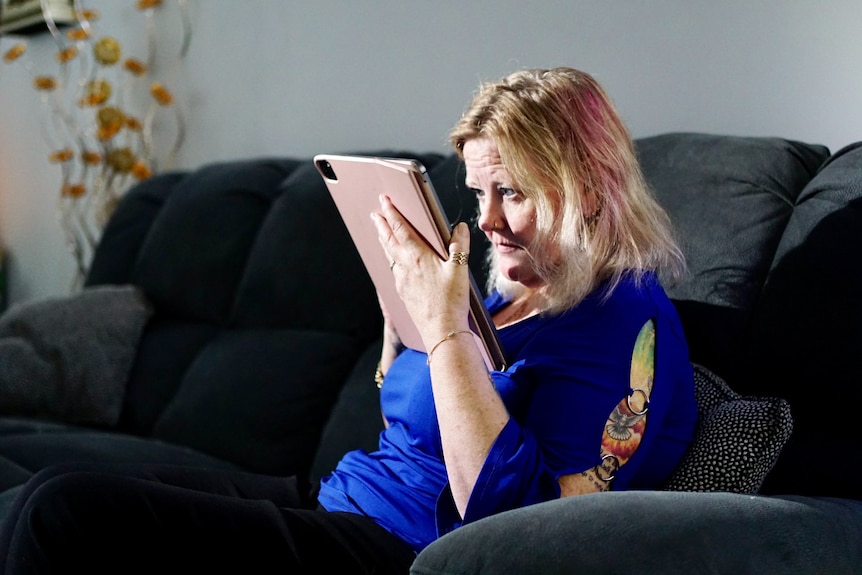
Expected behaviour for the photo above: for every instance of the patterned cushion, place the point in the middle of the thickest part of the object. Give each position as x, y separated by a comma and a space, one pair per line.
737, 441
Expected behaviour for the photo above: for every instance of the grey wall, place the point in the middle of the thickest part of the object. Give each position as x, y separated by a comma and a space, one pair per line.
273, 77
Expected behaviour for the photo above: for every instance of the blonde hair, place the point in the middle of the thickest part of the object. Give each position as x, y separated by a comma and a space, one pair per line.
566, 148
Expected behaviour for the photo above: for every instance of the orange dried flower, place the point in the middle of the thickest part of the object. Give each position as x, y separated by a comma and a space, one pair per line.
107, 51
63, 155
91, 158
67, 54
96, 92
111, 121
121, 160
88, 15
73, 190
76, 34
45, 83
135, 66
141, 170
14, 52
161, 94
145, 4
111, 116
134, 124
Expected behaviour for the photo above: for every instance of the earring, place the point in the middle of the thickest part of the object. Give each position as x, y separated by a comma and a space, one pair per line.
591, 220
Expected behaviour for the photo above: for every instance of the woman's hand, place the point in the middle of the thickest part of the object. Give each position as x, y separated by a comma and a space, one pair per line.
435, 291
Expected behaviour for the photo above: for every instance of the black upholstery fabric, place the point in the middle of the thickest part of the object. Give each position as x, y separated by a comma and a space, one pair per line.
806, 334
198, 235
268, 418
357, 410
718, 188
300, 243
166, 352
127, 228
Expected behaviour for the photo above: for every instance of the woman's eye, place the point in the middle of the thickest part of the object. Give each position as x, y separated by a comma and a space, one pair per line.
507, 192
478, 191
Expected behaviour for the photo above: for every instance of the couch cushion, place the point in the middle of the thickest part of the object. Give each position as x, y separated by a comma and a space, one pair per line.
718, 187
259, 398
120, 242
356, 420
194, 254
301, 243
28, 445
656, 532
68, 358
737, 440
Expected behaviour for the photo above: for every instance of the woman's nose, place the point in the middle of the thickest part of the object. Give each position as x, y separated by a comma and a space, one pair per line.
489, 217
486, 220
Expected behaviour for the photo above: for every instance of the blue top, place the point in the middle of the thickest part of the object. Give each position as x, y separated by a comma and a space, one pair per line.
566, 374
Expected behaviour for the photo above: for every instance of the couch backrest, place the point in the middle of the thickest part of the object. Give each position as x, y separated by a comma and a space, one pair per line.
730, 200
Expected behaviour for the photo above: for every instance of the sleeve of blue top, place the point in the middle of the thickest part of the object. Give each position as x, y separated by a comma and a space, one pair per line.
559, 396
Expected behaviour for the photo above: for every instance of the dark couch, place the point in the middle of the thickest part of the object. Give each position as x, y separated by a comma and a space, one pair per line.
254, 332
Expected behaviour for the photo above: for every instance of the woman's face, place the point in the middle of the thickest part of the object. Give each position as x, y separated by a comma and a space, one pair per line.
507, 217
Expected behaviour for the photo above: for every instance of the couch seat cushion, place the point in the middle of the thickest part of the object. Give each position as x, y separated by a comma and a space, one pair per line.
260, 397
28, 445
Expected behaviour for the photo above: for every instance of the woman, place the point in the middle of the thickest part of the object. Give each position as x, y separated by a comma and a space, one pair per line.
598, 393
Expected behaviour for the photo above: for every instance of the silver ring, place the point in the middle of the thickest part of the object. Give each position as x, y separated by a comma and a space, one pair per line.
460, 258
615, 467
391, 265
646, 401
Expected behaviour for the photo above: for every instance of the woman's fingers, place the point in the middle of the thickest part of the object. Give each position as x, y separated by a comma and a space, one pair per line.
459, 245
384, 231
433, 289
394, 234
391, 228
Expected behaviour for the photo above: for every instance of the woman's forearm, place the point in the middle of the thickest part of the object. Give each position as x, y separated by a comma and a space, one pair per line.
392, 346
470, 413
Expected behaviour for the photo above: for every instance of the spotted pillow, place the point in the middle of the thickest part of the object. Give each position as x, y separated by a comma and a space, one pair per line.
737, 440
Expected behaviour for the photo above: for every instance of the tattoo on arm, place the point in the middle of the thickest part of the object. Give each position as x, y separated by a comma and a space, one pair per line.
626, 424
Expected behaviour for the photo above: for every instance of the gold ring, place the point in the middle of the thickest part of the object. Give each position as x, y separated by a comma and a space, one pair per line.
391, 265
460, 258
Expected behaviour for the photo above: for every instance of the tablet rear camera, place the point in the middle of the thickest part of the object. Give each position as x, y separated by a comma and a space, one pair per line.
326, 169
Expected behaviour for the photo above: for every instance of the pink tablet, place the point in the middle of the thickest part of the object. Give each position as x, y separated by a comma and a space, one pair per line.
355, 182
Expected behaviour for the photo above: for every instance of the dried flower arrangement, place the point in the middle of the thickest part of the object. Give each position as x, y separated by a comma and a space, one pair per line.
99, 113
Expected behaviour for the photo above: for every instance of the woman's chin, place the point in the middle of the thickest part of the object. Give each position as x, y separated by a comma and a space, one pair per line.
521, 277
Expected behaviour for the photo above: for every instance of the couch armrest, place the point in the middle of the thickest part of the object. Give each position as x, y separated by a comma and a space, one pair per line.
656, 532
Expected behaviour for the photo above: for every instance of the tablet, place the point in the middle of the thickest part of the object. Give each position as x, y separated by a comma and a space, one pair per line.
355, 182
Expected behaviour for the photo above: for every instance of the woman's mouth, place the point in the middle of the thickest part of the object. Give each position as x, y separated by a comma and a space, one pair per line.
507, 247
